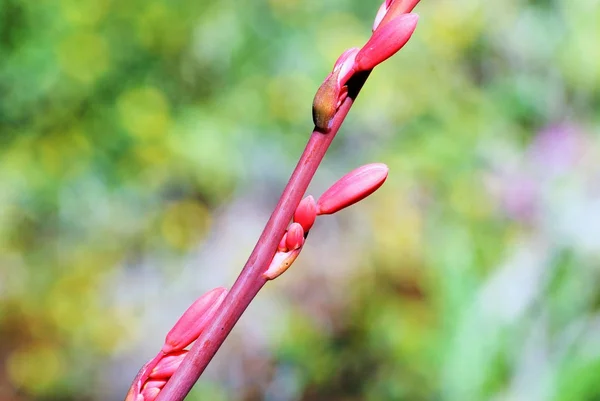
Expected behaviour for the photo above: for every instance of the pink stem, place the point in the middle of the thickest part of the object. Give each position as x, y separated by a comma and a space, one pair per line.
250, 280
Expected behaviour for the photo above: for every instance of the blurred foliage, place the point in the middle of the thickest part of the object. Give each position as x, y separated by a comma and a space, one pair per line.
126, 128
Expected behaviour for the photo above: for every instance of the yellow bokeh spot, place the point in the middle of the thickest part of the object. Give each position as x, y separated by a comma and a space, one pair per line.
154, 21
152, 155
399, 229
84, 12
35, 369
453, 29
104, 331
283, 7
184, 223
290, 109
467, 198
144, 112
84, 56
341, 32
71, 298
64, 153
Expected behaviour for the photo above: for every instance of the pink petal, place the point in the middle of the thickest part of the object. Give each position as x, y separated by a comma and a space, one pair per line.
397, 8
154, 384
168, 365
380, 14
282, 247
134, 392
344, 66
386, 41
150, 394
306, 213
353, 187
194, 320
295, 237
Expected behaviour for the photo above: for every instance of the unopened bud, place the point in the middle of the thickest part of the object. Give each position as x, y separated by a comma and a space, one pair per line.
194, 320
168, 365
325, 102
396, 8
353, 187
306, 213
282, 247
344, 66
295, 236
280, 263
386, 41
380, 14
134, 393
150, 394
160, 383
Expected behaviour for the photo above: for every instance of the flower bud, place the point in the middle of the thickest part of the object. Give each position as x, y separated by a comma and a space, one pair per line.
134, 393
295, 236
280, 263
150, 394
168, 365
306, 213
154, 384
396, 8
344, 66
380, 14
282, 247
353, 187
386, 41
325, 102
194, 320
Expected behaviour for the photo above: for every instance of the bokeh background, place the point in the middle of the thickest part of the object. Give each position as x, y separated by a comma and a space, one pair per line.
143, 144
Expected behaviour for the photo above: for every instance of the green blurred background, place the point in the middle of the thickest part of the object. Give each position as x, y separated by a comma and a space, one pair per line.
143, 144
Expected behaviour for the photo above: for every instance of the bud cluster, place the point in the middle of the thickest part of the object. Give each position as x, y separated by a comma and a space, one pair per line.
351, 188
393, 27
154, 375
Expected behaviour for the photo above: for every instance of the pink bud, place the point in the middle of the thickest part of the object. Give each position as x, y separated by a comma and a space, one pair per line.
150, 394
194, 320
380, 14
396, 8
344, 66
280, 263
134, 393
168, 365
295, 236
343, 58
154, 384
282, 247
306, 213
353, 187
386, 41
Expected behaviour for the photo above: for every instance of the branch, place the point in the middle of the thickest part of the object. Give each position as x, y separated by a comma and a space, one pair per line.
250, 280
207, 323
